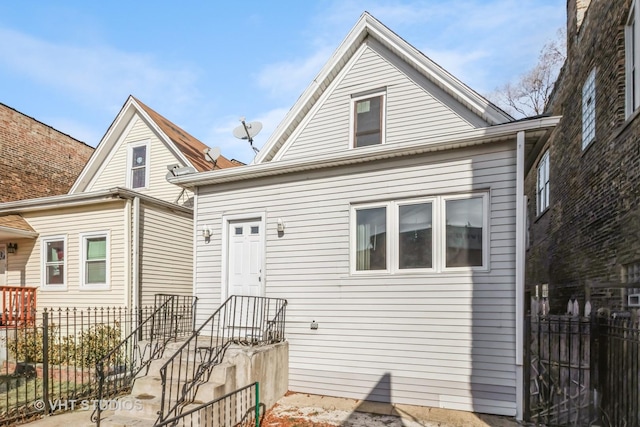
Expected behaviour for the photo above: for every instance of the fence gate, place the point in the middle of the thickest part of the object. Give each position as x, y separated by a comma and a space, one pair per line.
561, 389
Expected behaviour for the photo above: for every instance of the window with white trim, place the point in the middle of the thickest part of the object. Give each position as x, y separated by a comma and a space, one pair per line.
94, 258
543, 183
431, 234
368, 120
632, 61
138, 165
589, 109
54, 263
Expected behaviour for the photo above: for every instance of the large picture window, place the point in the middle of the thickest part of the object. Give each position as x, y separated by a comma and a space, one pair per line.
54, 263
95, 260
432, 234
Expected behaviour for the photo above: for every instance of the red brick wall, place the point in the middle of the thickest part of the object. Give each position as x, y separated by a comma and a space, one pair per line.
35, 159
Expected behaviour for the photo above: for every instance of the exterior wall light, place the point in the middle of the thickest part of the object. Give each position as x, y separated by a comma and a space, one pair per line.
12, 248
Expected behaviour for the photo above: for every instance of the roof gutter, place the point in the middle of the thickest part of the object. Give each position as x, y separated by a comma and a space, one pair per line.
439, 143
84, 199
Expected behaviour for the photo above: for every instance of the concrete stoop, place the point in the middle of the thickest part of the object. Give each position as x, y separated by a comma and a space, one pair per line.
242, 365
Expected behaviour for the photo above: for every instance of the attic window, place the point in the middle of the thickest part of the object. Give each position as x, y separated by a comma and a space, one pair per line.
368, 120
138, 162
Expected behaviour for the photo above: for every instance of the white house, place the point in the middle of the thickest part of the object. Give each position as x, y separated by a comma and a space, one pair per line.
122, 234
388, 209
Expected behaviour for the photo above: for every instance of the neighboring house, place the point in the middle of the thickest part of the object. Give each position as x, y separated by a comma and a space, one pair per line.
388, 209
584, 183
35, 159
122, 233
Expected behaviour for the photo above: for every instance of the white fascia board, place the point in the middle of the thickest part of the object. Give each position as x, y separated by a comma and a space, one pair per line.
103, 149
17, 233
381, 152
82, 199
172, 147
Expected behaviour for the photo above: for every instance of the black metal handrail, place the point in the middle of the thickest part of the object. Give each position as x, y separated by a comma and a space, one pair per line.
117, 370
240, 319
238, 408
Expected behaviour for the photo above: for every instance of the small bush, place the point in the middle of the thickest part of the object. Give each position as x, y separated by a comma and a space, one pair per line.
85, 350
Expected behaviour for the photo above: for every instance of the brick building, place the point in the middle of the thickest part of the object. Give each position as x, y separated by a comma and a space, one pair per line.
583, 184
35, 159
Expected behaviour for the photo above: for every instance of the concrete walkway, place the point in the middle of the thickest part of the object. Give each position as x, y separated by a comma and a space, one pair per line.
339, 412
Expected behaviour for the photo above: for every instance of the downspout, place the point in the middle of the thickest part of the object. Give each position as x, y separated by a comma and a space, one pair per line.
135, 252
127, 253
520, 266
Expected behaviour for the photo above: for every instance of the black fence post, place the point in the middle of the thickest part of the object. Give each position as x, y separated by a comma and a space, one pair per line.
45, 361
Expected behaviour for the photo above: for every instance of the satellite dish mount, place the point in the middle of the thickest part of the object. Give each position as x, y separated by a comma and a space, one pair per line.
248, 131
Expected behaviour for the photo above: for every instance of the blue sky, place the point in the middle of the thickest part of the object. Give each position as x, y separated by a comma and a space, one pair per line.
204, 64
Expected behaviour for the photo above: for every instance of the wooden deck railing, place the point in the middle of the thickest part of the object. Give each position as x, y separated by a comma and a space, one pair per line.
18, 306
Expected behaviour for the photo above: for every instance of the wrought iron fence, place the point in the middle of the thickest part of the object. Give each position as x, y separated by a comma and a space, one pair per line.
236, 409
583, 371
172, 318
618, 371
49, 364
240, 319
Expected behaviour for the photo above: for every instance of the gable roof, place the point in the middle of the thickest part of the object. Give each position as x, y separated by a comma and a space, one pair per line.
368, 26
184, 146
14, 226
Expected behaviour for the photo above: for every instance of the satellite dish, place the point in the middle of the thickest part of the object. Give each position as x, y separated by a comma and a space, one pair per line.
248, 131
212, 155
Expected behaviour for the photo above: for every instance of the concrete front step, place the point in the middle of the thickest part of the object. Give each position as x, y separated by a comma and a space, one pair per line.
126, 421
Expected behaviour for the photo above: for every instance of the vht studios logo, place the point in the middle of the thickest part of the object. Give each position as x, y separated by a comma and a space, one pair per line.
87, 404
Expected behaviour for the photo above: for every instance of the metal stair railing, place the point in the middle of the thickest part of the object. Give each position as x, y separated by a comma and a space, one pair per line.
239, 320
117, 370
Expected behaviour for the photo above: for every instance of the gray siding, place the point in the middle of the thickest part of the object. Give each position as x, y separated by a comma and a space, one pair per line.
166, 253
411, 106
437, 339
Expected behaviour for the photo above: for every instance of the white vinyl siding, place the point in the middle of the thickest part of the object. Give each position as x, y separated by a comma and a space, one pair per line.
411, 107
104, 217
443, 339
118, 165
589, 109
166, 251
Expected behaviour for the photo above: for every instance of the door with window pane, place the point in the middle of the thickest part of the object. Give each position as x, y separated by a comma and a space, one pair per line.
245, 258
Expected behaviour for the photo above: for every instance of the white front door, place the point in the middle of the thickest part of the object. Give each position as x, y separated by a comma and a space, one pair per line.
245, 252
3, 264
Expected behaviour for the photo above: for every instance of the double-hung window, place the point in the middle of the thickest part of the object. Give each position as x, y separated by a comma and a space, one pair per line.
632, 61
421, 235
543, 183
54, 263
368, 119
138, 165
589, 109
95, 260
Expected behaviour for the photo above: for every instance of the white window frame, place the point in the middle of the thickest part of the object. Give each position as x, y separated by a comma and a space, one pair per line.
632, 60
589, 109
383, 116
130, 148
542, 184
43, 257
485, 231
438, 236
83, 260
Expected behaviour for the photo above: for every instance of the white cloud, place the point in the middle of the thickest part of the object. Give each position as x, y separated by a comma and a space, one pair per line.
96, 75
287, 79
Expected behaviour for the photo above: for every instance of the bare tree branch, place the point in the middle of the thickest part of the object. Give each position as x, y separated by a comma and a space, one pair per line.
529, 94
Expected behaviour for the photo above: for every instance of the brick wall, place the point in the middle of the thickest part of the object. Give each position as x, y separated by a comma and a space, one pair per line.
592, 228
35, 159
